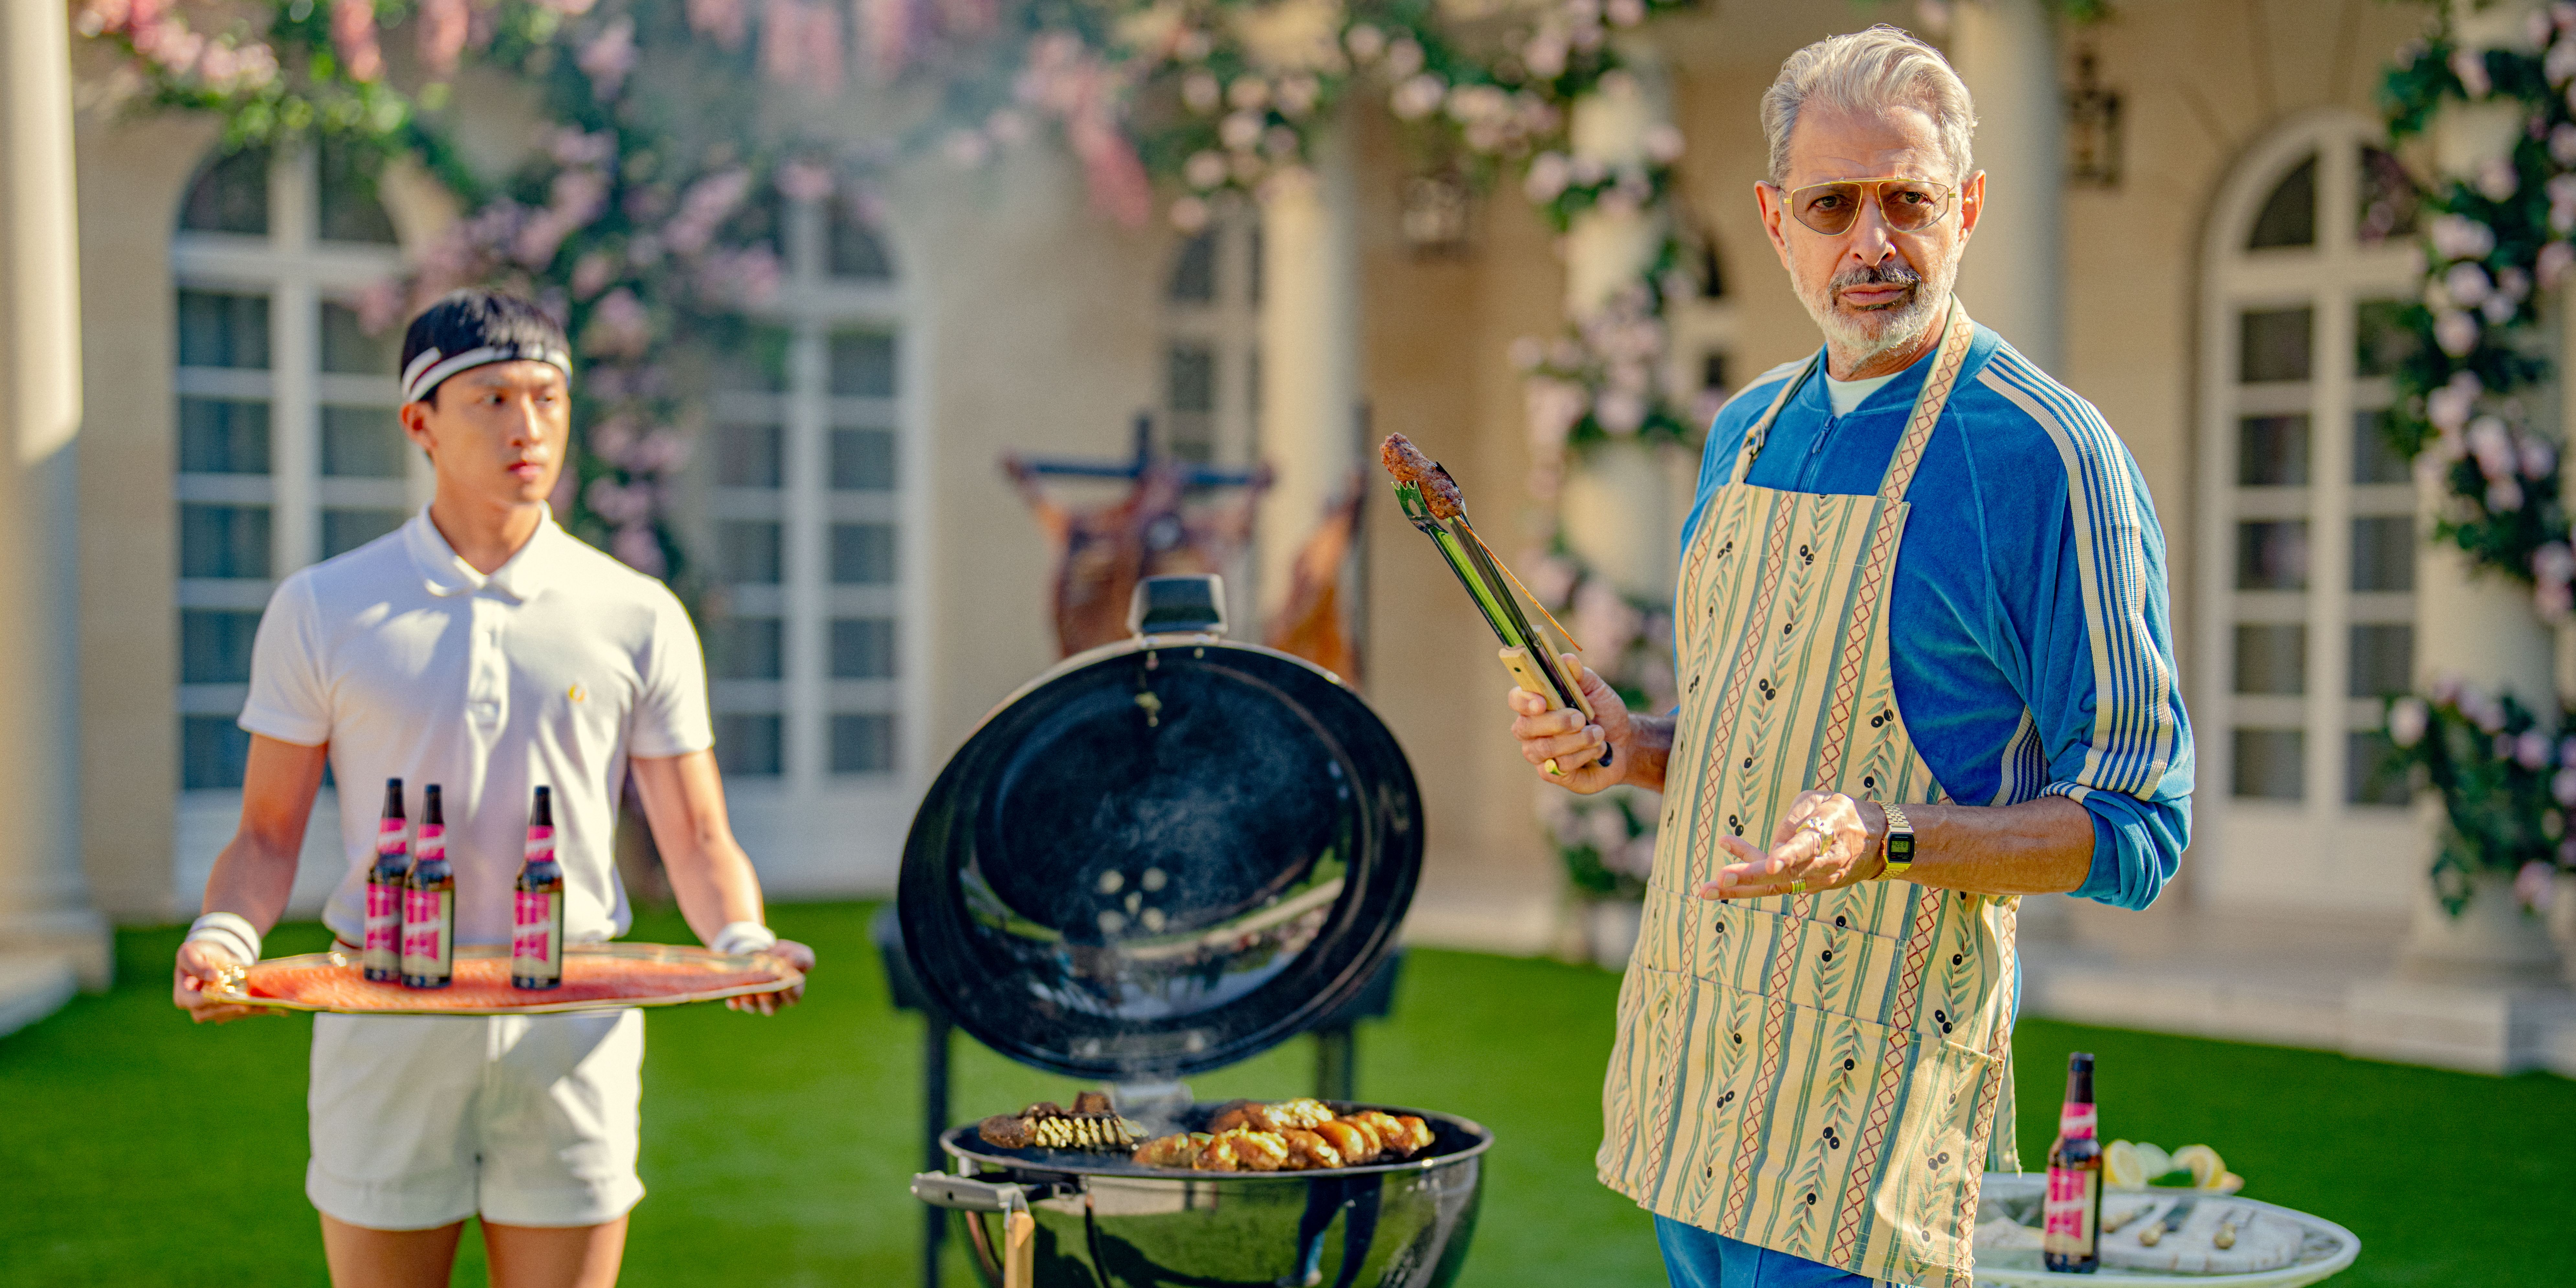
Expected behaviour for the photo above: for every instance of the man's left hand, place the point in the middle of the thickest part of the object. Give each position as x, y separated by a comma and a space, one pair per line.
794, 954
1826, 839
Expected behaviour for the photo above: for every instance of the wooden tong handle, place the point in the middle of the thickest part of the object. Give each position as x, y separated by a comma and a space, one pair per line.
1019, 1255
1524, 667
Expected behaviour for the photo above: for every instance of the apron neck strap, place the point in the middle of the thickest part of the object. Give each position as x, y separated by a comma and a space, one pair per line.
1761, 430
1957, 333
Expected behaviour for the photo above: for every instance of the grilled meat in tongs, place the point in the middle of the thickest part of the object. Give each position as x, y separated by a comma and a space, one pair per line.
1431, 499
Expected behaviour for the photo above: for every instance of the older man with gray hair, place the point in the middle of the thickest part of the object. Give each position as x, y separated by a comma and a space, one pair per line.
1893, 725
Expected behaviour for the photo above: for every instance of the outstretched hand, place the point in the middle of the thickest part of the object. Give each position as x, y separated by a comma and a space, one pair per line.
1564, 737
202, 966
1824, 840
794, 954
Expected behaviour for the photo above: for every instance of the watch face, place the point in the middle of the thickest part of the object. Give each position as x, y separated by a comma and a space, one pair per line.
1900, 848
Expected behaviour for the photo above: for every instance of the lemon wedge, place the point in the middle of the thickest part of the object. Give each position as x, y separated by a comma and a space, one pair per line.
2207, 1168
2120, 1165
2153, 1161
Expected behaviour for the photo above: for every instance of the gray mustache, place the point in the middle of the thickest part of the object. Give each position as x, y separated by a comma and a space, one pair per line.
1897, 274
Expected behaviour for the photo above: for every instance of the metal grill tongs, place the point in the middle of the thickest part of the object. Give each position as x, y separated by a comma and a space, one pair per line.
1432, 501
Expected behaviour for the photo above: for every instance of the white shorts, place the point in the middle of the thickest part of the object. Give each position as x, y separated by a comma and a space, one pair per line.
421, 1121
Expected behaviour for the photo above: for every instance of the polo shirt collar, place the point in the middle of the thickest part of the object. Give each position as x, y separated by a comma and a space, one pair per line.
527, 574
1896, 394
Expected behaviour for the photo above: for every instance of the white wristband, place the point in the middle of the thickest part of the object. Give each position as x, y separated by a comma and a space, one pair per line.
228, 931
744, 937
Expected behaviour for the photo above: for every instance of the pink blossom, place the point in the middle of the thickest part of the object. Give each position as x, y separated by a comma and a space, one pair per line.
2470, 65
1189, 214
1554, 407
639, 547
592, 273
2533, 885
1365, 42
888, 29
379, 305
1604, 619
1403, 58
803, 181
613, 438
1545, 55
2407, 718
1625, 13
726, 20
1547, 178
739, 278
1663, 143
1201, 93
2531, 750
619, 326
662, 451
1417, 97
1620, 411
2456, 332
970, 18
607, 57
619, 505
703, 207
443, 28
568, 8
967, 149
2460, 237
800, 44
353, 34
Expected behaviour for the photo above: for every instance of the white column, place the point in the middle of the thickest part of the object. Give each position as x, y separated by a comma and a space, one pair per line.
1310, 358
2006, 51
1616, 502
44, 902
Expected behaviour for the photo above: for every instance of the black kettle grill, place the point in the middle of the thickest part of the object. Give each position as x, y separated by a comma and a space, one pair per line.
1159, 858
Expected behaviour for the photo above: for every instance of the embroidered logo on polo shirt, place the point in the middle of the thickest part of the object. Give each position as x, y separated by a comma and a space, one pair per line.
576, 693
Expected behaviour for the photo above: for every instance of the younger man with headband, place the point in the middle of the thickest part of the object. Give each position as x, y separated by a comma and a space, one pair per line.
482, 648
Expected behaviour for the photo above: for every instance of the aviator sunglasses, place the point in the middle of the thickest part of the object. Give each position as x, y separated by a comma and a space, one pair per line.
1908, 205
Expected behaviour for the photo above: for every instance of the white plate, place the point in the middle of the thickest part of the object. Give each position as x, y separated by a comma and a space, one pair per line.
2329, 1248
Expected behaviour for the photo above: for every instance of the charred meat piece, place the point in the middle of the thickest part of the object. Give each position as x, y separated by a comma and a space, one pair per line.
1048, 1125
1242, 1150
1354, 1146
1287, 1115
1308, 1150
1406, 462
1180, 1150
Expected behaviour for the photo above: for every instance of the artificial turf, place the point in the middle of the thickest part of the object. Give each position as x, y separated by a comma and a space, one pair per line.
142, 1150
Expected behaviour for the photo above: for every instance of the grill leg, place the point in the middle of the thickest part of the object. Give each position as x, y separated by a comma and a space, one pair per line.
1336, 1063
934, 1120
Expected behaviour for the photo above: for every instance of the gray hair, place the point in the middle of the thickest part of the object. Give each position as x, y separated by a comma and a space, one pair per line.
1868, 72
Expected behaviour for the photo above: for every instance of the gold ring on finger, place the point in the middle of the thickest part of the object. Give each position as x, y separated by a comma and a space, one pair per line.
1798, 885
1550, 767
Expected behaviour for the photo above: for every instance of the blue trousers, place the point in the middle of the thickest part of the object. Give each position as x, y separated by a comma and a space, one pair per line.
1696, 1258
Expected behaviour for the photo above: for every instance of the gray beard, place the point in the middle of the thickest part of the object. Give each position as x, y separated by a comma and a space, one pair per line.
1852, 340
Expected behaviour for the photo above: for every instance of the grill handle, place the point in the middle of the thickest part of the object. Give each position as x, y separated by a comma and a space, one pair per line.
969, 1194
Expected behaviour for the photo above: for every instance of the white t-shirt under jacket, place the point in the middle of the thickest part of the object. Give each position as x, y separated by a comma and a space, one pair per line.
553, 670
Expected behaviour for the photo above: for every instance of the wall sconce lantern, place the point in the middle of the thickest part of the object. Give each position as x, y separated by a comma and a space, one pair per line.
2093, 142
1433, 215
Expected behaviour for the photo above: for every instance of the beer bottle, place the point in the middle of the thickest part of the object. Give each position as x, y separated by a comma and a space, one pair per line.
2071, 1219
429, 904
380, 949
536, 909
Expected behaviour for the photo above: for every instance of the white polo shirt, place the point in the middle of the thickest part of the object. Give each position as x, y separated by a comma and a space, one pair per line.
553, 670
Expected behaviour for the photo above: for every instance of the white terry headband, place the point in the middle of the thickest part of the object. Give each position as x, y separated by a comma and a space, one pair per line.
432, 368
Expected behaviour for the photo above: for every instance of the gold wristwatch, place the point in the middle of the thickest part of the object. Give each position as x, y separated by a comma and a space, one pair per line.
1897, 845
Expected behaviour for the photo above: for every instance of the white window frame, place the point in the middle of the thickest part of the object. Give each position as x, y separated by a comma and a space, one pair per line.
2318, 851
297, 271
809, 830
1230, 326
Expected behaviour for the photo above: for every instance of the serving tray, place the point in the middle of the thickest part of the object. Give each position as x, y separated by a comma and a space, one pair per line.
2325, 1248
597, 977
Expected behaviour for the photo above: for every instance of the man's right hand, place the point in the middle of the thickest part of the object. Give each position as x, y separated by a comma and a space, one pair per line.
201, 966
1562, 735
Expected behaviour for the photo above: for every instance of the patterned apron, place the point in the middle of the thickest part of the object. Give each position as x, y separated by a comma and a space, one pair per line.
1823, 1074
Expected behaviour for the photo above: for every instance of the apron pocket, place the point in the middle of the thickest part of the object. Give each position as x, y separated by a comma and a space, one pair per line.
1804, 1129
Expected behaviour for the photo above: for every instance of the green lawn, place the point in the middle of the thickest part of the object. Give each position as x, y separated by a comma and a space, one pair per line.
141, 1150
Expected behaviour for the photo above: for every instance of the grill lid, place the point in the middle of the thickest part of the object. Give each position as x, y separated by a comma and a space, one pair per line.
1161, 857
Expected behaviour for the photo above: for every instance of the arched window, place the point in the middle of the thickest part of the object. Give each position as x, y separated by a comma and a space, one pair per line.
2306, 542
287, 450
1212, 345
808, 539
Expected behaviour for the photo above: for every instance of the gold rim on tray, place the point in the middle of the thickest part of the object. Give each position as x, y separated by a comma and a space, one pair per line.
779, 977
